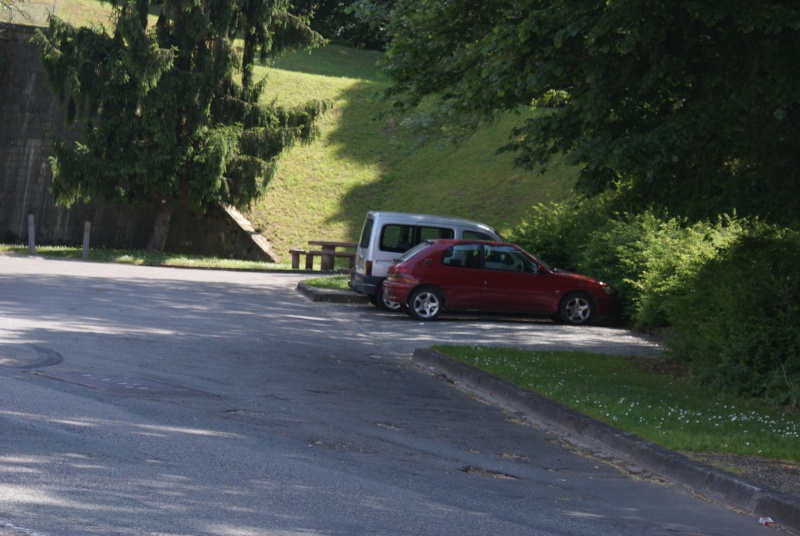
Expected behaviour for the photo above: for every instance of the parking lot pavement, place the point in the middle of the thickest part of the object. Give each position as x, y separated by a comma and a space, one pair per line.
413, 337
153, 400
399, 332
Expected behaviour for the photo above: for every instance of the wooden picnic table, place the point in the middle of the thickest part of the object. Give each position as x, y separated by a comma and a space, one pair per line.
332, 245
327, 253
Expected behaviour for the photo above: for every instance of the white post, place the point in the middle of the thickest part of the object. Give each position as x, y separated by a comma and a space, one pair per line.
31, 235
86, 232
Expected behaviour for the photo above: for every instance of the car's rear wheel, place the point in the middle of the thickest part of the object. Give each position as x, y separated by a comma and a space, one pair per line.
425, 303
383, 303
576, 309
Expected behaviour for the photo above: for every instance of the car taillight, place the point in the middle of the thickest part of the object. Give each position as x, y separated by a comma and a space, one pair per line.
368, 266
397, 272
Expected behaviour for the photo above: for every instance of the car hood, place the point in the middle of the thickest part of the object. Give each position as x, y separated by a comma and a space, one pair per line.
575, 277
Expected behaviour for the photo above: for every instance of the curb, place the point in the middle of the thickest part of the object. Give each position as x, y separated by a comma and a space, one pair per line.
704, 479
330, 295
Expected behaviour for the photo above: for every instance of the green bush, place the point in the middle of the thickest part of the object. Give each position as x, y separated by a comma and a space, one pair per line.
729, 290
738, 323
557, 232
648, 258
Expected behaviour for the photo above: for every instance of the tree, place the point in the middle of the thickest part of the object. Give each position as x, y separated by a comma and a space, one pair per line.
165, 120
691, 103
337, 23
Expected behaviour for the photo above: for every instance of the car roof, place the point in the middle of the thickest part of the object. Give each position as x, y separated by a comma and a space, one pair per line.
416, 218
456, 241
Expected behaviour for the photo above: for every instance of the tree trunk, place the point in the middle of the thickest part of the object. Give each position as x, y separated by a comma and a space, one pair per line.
161, 227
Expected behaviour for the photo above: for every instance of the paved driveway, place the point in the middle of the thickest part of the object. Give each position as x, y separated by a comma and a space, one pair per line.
161, 401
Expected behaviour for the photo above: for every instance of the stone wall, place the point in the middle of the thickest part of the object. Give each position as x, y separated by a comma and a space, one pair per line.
28, 112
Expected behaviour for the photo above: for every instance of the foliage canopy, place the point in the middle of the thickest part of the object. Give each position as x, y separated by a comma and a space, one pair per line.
169, 110
335, 21
692, 103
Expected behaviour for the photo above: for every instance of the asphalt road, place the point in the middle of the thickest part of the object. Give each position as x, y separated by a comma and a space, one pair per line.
162, 401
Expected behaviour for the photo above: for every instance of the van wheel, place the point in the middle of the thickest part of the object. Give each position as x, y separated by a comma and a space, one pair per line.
385, 304
425, 303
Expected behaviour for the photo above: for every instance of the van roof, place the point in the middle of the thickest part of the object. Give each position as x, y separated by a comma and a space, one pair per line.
417, 218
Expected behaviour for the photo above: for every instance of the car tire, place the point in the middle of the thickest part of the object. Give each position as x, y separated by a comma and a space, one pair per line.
577, 309
382, 303
425, 303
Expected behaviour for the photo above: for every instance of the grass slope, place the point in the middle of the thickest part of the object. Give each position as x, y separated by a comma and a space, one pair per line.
323, 190
77, 12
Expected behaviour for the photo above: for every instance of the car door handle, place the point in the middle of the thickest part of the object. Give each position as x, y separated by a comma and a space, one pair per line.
427, 262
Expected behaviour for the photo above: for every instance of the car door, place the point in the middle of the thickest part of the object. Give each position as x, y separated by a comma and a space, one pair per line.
459, 276
513, 281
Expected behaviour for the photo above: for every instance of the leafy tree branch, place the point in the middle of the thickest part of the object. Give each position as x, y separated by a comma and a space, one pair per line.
689, 103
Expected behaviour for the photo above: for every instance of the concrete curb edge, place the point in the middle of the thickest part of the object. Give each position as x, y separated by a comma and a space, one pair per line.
704, 479
316, 294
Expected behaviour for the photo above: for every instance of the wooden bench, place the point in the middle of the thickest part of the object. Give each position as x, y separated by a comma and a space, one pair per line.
327, 254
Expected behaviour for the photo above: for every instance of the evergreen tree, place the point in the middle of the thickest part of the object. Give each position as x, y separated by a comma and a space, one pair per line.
169, 110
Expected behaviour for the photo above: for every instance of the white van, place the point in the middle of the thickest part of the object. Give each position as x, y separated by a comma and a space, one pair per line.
387, 235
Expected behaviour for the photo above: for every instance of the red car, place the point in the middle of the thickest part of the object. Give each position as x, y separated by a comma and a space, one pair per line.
440, 275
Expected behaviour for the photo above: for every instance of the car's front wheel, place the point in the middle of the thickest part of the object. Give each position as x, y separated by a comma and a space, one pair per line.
576, 309
425, 303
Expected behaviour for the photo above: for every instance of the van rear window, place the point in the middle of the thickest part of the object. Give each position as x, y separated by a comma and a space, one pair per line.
366, 233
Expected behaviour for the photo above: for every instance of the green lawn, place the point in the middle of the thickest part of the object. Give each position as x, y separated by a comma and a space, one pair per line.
644, 397
144, 258
77, 12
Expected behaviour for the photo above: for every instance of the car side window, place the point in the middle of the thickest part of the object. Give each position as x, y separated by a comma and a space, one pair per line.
461, 256
397, 238
507, 259
477, 235
431, 233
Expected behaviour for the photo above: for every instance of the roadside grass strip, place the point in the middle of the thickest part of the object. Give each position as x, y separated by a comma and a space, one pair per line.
145, 258
650, 398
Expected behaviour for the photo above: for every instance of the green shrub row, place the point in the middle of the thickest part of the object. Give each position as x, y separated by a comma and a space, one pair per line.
738, 322
727, 290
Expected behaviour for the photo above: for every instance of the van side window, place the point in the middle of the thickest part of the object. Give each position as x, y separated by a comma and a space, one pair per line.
431, 233
477, 235
400, 238
397, 238
461, 256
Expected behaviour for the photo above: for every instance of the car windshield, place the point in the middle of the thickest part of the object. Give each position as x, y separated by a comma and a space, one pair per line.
414, 251
551, 268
